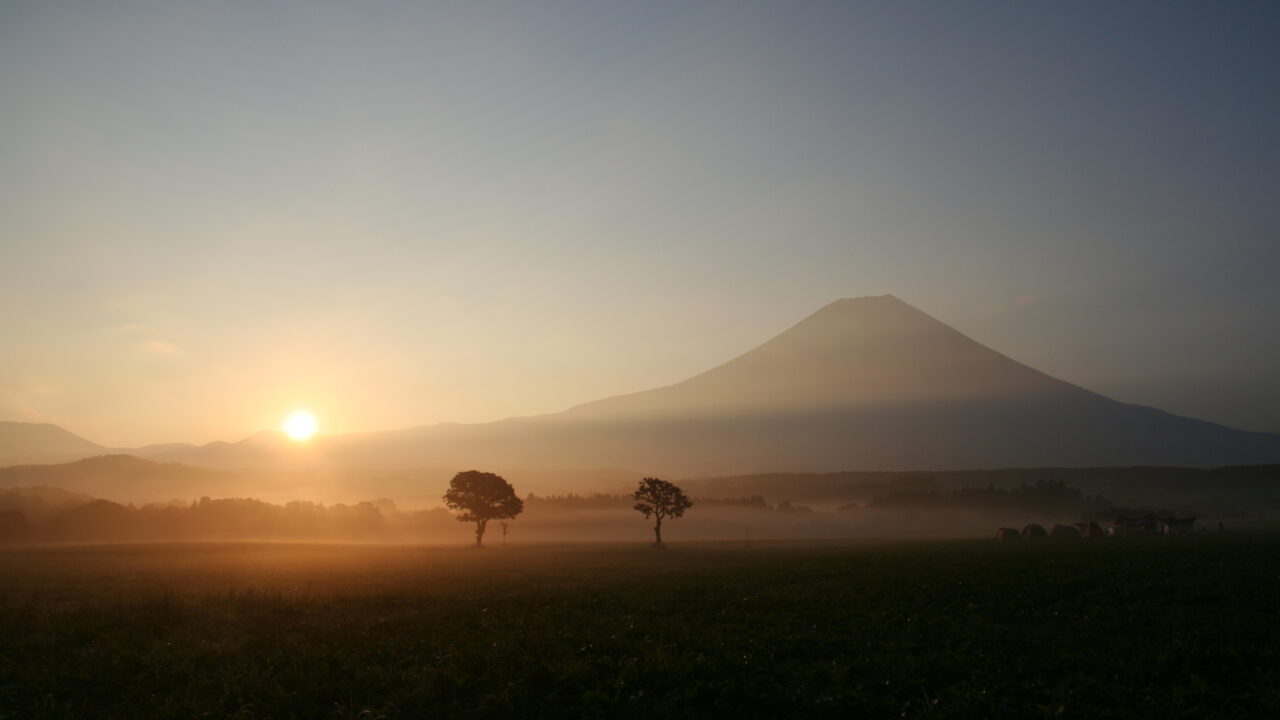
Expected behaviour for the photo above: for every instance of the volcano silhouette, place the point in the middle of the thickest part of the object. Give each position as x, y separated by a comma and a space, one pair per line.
862, 384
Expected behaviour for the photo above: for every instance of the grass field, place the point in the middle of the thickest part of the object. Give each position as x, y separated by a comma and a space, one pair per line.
1159, 627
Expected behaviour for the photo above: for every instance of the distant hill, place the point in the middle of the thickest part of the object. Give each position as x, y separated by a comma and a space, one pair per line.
263, 449
124, 478
862, 384
30, 443
40, 503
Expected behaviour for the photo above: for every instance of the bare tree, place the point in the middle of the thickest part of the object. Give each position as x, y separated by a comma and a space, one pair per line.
660, 499
481, 497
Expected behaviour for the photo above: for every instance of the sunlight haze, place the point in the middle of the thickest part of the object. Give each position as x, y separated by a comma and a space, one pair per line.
300, 425
396, 215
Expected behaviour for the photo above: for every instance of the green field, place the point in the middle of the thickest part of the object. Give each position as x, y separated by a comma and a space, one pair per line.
1168, 627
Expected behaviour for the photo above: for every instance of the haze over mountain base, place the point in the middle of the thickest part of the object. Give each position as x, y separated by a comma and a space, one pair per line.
862, 384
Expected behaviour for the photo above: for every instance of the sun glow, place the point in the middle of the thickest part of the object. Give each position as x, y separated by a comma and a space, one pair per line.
300, 426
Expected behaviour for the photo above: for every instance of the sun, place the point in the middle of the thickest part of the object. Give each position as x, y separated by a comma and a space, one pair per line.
300, 426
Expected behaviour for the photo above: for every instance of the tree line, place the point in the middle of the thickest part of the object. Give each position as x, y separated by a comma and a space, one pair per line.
482, 498
1045, 497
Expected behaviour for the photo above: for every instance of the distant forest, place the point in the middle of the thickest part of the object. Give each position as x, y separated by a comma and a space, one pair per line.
1046, 498
1228, 490
912, 506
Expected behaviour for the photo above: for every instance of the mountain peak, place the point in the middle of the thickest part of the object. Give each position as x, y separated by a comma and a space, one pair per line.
855, 352
867, 300
873, 313
865, 303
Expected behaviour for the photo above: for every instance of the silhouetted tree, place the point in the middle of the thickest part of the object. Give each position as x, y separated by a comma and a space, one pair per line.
481, 497
660, 499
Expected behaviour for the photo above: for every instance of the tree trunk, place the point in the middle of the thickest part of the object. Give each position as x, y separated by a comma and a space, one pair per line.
480, 532
657, 532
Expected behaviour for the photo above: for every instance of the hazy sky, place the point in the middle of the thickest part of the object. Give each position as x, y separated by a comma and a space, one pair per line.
397, 214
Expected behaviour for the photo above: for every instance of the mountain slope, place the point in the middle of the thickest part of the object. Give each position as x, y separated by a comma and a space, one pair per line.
867, 383
124, 478
265, 448
42, 443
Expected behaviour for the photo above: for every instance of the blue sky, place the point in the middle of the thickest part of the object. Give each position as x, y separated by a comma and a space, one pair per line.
396, 214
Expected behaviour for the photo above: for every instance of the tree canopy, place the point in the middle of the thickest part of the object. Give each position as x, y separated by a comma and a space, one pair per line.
480, 497
660, 499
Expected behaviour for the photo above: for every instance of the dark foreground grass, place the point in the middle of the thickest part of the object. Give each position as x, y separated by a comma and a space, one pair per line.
1177, 627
